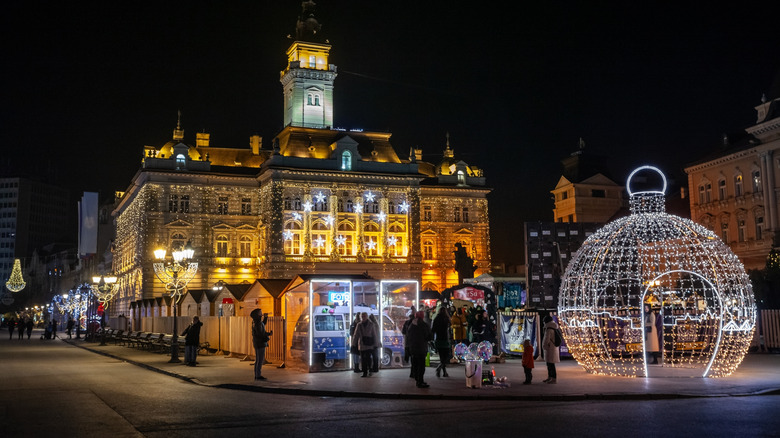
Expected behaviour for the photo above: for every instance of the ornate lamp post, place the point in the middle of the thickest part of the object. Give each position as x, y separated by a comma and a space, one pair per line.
175, 274
105, 288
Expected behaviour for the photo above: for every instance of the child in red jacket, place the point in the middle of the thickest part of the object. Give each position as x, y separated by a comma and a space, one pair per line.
528, 360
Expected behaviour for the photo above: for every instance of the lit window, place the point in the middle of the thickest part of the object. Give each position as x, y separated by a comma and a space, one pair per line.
184, 204
312, 61
173, 203
222, 246
456, 215
245, 247
756, 181
222, 205
346, 160
181, 162
738, 185
427, 213
461, 177
428, 249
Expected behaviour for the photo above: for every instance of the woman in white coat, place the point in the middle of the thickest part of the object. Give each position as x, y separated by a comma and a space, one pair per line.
652, 346
551, 353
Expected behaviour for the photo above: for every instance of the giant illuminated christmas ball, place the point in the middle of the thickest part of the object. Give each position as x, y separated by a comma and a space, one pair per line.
655, 287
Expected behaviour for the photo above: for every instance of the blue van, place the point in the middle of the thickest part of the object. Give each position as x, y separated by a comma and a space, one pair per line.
331, 336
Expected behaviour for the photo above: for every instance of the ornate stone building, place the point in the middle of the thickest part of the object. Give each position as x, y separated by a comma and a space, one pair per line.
734, 192
320, 200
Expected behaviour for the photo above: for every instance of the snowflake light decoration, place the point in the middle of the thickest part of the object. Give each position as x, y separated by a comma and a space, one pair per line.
319, 197
288, 235
319, 242
392, 240
656, 286
307, 206
403, 207
296, 216
329, 220
370, 196
382, 217
371, 245
358, 208
341, 240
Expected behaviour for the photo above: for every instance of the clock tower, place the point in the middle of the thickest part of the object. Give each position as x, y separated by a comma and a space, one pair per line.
308, 79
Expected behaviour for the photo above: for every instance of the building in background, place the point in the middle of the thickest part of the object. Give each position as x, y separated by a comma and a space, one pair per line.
319, 200
734, 191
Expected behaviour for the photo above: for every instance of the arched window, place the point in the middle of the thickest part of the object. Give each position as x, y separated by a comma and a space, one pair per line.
222, 246
371, 239
759, 225
391, 207
319, 238
340, 205
309, 99
461, 177
738, 191
345, 240
297, 204
722, 190
292, 238
181, 162
346, 160
316, 100
756, 181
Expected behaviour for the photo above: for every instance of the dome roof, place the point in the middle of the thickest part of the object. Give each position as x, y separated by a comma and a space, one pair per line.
651, 266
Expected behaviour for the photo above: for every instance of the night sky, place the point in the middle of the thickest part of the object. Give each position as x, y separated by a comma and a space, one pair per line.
86, 85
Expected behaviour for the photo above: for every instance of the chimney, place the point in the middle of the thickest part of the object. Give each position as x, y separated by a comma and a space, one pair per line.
202, 140
255, 142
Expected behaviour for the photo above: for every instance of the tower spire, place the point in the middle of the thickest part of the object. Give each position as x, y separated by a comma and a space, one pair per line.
178, 133
448, 153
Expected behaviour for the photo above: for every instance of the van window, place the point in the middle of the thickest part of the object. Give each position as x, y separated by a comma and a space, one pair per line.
328, 323
387, 323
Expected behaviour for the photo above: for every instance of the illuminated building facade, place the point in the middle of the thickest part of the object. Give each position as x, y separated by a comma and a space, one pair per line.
734, 191
319, 200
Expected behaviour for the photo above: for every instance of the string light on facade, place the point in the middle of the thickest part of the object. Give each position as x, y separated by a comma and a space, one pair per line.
654, 266
16, 282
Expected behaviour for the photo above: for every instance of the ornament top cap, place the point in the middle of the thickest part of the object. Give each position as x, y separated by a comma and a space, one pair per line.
648, 192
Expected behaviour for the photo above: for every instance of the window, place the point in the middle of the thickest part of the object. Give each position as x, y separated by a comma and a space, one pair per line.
598, 193
372, 207
309, 99
346, 160
297, 204
292, 238
724, 232
391, 207
246, 206
173, 203
181, 162
701, 195
316, 100
427, 213
707, 192
756, 181
245, 247
465, 214
461, 177
741, 230
184, 204
456, 214
564, 195
570, 218
319, 238
222, 205
312, 61
759, 227
738, 185
371, 239
329, 323
222, 246
428, 249
350, 208
345, 241
340, 205
722, 190
287, 203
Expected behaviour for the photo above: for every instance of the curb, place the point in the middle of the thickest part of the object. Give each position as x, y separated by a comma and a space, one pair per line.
407, 396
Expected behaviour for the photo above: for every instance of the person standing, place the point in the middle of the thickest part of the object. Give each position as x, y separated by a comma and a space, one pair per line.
441, 331
11, 326
652, 344
54, 329
20, 328
353, 350
459, 326
551, 352
404, 331
69, 327
375, 354
30, 325
528, 361
419, 334
192, 342
365, 340
260, 338
478, 328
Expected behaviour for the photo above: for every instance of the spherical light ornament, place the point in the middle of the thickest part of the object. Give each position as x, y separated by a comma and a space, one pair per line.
655, 287
461, 350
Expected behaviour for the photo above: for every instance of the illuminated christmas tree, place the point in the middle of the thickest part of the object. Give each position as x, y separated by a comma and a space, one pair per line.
16, 282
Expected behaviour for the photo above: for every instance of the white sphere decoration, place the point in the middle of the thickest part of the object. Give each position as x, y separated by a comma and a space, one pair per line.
659, 263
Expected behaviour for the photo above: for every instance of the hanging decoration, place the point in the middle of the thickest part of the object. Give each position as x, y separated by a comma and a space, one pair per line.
16, 282
656, 287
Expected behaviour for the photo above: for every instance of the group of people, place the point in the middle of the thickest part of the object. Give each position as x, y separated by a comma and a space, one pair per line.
24, 324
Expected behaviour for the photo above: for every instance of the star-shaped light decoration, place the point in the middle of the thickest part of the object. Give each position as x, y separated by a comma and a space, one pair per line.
392, 240
288, 235
307, 206
319, 242
403, 207
382, 216
319, 197
370, 196
296, 216
358, 208
341, 240
329, 220
371, 244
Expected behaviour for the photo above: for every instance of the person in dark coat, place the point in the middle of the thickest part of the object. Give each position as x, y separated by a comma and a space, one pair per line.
353, 350
20, 328
441, 332
192, 341
11, 326
69, 327
260, 338
366, 339
404, 331
377, 347
30, 325
54, 329
419, 334
478, 329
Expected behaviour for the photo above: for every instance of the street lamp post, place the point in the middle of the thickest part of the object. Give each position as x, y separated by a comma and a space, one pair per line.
218, 286
175, 275
105, 288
